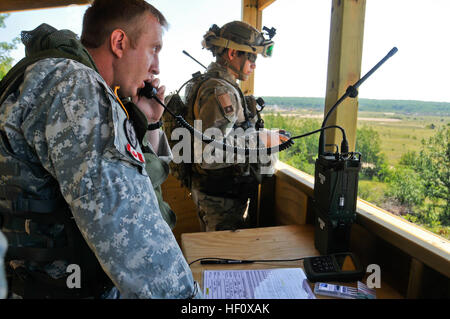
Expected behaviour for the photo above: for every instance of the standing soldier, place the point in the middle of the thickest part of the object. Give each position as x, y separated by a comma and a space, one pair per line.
224, 191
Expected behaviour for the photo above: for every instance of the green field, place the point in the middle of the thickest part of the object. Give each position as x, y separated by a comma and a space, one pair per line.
398, 134
403, 135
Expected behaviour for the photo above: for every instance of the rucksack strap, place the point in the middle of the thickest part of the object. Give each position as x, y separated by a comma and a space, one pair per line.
12, 80
41, 43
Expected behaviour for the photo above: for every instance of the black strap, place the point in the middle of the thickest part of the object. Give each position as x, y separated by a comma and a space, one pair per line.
154, 126
37, 254
44, 206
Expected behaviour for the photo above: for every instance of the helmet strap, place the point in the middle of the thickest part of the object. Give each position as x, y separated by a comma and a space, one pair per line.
240, 71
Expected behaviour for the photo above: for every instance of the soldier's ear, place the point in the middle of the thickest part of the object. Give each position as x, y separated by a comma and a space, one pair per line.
118, 41
231, 54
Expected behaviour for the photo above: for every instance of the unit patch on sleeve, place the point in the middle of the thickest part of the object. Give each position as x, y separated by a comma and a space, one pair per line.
225, 103
130, 133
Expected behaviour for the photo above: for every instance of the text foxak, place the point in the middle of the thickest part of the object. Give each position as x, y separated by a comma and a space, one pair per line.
234, 308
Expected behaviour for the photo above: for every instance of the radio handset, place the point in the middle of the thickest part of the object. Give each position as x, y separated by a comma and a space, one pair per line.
148, 91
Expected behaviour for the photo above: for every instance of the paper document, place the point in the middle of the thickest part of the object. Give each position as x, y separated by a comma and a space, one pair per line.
280, 283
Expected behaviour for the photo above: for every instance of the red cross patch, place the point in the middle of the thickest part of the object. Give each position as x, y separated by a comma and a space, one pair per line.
138, 156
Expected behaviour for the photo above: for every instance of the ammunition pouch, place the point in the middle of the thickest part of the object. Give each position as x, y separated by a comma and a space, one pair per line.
225, 183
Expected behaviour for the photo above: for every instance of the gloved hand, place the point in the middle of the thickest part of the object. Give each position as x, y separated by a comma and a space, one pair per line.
251, 104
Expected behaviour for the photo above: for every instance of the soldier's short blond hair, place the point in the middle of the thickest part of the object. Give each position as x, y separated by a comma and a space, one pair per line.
104, 16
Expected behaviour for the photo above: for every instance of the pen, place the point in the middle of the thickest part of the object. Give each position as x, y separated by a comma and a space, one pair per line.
225, 261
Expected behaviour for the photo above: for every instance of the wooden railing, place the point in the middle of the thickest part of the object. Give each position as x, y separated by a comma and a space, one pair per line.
412, 256
413, 260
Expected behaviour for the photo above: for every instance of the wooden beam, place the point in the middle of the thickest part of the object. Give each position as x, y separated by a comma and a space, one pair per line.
253, 16
262, 4
344, 66
180, 201
20, 5
415, 279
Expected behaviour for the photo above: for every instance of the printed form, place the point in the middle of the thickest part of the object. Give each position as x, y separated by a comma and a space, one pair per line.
280, 283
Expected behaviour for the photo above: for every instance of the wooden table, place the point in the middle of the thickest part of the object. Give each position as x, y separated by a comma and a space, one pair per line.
280, 242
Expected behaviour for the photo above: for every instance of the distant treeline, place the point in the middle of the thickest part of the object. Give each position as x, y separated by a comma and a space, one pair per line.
396, 106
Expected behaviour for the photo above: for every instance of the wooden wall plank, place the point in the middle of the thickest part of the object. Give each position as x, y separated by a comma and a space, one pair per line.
293, 192
262, 4
180, 201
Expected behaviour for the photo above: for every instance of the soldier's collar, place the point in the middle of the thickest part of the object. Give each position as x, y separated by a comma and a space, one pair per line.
134, 114
221, 71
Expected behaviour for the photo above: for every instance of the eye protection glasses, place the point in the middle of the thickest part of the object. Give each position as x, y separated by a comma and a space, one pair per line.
251, 57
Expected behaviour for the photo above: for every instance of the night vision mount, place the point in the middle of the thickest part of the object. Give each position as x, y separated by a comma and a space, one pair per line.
270, 32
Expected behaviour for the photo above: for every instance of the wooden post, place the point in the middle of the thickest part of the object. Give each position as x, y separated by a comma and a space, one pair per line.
344, 67
415, 279
252, 14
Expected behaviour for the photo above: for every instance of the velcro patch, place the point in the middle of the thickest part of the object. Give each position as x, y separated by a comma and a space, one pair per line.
225, 103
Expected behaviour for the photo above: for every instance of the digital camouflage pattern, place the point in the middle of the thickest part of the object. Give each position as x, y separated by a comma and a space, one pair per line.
219, 103
157, 167
66, 129
3, 285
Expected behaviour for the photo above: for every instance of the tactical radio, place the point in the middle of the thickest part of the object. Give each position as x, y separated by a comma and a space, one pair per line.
336, 185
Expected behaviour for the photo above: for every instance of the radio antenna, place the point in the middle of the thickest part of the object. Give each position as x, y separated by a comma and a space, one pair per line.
193, 58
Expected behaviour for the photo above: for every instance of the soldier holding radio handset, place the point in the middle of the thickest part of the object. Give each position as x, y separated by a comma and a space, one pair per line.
76, 153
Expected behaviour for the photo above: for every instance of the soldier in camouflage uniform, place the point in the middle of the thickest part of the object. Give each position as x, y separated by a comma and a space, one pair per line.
221, 191
70, 146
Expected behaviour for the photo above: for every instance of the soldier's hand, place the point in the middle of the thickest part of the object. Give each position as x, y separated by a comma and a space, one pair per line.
273, 138
150, 107
251, 104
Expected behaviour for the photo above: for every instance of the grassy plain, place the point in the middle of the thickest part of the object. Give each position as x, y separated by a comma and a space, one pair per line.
403, 135
399, 133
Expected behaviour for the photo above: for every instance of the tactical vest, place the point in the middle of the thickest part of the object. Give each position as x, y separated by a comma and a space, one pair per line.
41, 231
227, 179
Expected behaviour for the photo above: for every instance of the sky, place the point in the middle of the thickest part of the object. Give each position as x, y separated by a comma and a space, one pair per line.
419, 29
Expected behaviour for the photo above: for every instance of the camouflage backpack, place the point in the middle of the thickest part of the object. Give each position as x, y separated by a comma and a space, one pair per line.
184, 107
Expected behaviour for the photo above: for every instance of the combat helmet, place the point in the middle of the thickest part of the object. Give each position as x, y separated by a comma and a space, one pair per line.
240, 36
